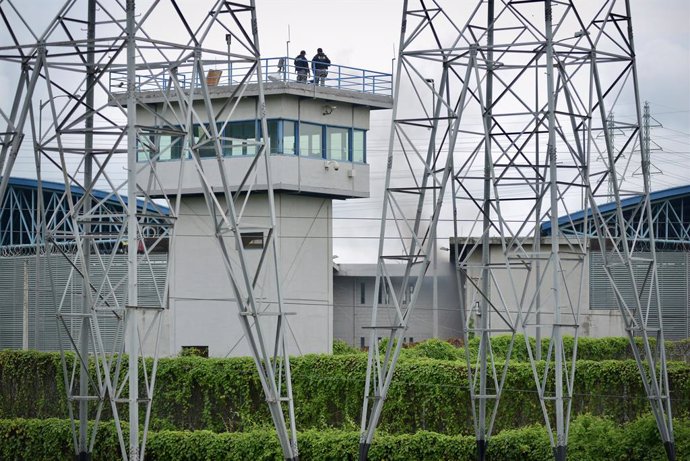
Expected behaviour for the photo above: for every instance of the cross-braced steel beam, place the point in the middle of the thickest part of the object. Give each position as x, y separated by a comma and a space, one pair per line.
95, 89
521, 123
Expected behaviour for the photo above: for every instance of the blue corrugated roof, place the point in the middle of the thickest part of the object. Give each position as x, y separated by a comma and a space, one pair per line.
52, 186
630, 202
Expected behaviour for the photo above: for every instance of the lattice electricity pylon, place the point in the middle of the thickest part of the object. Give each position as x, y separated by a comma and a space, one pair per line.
195, 130
628, 243
70, 69
124, 62
455, 63
541, 77
234, 208
511, 176
576, 66
408, 227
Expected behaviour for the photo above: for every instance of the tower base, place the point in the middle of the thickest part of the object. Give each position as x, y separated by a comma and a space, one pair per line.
364, 451
670, 450
481, 449
559, 453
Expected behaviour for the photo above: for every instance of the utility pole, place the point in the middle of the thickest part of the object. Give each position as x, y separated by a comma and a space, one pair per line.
611, 129
228, 41
25, 309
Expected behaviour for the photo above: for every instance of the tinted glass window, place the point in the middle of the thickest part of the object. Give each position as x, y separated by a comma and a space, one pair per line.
273, 130
289, 137
170, 147
310, 140
240, 133
201, 138
337, 143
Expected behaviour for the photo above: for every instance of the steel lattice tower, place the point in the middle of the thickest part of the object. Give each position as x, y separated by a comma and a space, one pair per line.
96, 85
518, 122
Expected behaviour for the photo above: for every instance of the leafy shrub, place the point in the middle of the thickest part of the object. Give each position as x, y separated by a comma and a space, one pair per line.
225, 394
194, 351
594, 438
435, 349
678, 350
591, 439
340, 347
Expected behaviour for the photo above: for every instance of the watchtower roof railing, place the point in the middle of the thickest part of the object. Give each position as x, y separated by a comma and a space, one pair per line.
279, 69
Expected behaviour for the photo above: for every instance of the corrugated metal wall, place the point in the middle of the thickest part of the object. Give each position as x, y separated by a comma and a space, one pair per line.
12, 294
26, 280
673, 287
673, 271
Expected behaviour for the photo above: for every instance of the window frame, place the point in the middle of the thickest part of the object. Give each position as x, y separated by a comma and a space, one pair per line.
295, 134
227, 146
323, 139
348, 137
178, 151
364, 145
281, 135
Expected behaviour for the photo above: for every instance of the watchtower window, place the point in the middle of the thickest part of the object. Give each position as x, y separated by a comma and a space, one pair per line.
201, 138
274, 136
240, 138
240, 132
337, 145
310, 140
358, 146
289, 131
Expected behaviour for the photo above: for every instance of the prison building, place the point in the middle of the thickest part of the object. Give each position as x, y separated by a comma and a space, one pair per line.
671, 231
39, 270
435, 315
586, 280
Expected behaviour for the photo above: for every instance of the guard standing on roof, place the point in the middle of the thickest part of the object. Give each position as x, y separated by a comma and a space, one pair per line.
302, 66
319, 65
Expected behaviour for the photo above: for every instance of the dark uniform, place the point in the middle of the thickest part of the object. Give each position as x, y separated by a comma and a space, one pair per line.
302, 67
319, 66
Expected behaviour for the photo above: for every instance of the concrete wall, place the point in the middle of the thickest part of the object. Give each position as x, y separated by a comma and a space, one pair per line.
203, 308
285, 106
289, 173
513, 284
351, 315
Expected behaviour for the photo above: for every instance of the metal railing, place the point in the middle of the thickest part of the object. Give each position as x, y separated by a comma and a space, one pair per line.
279, 69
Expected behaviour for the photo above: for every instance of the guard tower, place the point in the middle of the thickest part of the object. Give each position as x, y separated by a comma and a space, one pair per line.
317, 136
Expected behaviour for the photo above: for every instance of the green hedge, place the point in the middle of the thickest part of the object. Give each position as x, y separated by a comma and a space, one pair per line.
591, 439
425, 395
610, 348
31, 385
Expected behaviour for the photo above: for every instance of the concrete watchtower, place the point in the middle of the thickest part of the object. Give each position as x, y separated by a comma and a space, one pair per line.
317, 138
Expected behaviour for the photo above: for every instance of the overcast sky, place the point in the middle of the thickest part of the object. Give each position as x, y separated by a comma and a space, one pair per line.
364, 33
